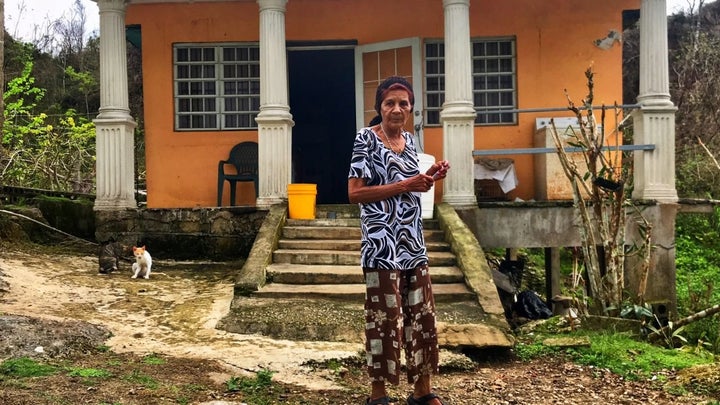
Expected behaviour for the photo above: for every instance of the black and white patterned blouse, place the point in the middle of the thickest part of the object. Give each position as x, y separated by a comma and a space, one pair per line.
392, 230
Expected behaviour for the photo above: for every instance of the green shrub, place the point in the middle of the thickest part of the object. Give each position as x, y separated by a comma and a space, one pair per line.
698, 274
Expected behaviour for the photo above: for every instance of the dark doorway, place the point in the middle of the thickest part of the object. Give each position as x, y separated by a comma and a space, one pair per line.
322, 103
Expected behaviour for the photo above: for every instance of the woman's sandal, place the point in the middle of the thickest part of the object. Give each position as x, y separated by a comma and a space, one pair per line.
424, 400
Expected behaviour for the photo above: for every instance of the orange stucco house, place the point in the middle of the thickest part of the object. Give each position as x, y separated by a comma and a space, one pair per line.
298, 77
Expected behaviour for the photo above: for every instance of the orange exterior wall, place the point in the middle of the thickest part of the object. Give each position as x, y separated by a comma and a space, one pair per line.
554, 48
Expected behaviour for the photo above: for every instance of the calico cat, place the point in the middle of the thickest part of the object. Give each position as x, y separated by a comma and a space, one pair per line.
143, 262
109, 256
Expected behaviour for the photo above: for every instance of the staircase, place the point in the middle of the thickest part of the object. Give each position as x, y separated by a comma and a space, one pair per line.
314, 287
321, 259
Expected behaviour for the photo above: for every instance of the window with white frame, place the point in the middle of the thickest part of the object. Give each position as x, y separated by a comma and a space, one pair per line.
217, 86
494, 81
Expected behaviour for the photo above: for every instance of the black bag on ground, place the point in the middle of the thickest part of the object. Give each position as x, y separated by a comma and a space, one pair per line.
529, 305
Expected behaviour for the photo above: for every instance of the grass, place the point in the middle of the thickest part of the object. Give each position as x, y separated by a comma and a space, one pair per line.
257, 390
145, 380
627, 356
633, 359
89, 373
153, 359
24, 367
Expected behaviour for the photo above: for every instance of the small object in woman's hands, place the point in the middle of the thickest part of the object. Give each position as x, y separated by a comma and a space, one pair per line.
443, 168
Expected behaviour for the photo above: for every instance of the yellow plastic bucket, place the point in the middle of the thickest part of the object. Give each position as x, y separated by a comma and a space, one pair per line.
301, 200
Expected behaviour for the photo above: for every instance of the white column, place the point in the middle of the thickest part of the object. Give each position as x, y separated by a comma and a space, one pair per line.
458, 111
654, 172
274, 120
114, 127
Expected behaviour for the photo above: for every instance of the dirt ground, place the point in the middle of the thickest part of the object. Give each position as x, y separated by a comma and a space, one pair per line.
157, 342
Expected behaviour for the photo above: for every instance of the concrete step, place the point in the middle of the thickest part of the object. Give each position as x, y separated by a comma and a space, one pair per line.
334, 222
284, 273
332, 211
321, 232
461, 324
346, 257
319, 244
343, 233
353, 292
344, 244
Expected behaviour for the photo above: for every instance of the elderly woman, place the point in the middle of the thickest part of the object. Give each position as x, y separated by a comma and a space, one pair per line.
386, 181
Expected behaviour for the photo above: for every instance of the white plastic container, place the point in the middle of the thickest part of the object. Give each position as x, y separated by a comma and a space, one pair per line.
427, 199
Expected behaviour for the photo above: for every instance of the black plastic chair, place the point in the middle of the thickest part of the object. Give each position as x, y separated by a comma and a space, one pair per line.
244, 157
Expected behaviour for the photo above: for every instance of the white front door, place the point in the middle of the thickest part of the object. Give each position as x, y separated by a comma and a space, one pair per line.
375, 62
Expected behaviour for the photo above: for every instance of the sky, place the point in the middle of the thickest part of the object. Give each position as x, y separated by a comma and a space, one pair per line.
24, 17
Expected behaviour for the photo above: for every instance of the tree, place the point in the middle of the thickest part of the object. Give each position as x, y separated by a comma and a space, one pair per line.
695, 89
2, 75
601, 183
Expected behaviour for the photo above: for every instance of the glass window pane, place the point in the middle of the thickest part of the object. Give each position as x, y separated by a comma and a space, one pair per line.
491, 65
182, 71
229, 71
505, 82
506, 99
493, 99
184, 121
505, 48
492, 83
209, 54
432, 84
430, 51
231, 104
181, 54
228, 54
183, 89
432, 67
433, 100
492, 49
478, 66
478, 48
195, 54
505, 65
231, 121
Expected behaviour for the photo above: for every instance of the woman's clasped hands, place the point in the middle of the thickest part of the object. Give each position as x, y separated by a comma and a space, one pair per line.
423, 182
